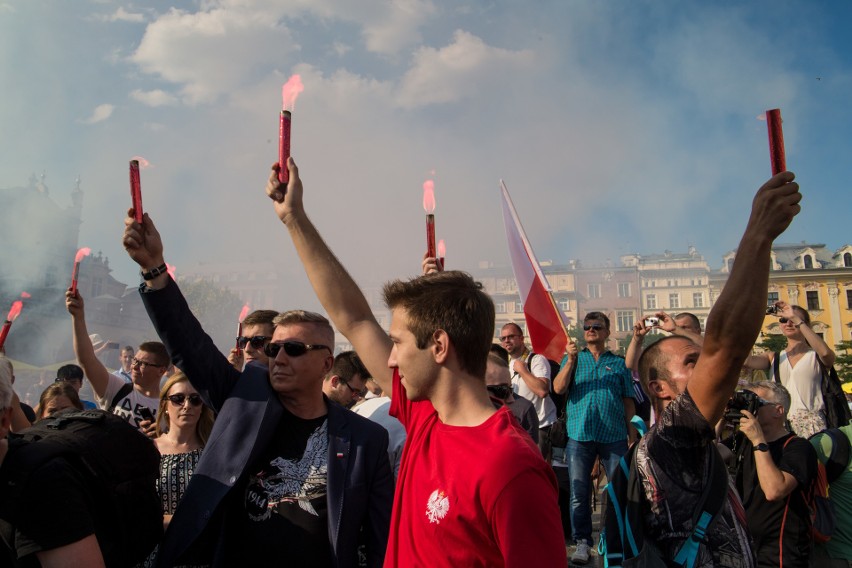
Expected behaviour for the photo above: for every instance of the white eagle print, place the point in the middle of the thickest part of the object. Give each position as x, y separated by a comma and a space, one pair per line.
437, 507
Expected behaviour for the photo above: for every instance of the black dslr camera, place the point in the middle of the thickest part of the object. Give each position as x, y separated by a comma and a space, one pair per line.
742, 400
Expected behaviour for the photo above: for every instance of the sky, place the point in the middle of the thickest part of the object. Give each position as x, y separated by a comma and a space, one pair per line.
618, 126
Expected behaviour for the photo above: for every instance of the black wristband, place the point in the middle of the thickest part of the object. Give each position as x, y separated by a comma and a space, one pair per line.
154, 272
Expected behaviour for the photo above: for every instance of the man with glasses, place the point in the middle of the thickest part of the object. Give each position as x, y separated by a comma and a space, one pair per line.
136, 402
499, 385
599, 408
774, 472
531, 381
257, 332
285, 476
345, 383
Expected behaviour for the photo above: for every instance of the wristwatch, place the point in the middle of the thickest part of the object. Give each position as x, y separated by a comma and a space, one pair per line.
762, 447
154, 272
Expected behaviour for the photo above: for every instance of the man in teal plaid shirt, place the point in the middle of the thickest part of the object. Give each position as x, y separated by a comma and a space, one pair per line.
599, 408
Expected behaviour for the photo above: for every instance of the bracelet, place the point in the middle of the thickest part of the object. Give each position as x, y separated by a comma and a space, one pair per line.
154, 272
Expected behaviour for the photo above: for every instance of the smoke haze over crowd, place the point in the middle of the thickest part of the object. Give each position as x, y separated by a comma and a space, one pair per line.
618, 127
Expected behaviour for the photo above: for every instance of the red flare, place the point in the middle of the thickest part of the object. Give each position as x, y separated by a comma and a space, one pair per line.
170, 268
83, 252
442, 253
290, 92
776, 141
25, 295
17, 306
284, 122
136, 190
244, 312
429, 196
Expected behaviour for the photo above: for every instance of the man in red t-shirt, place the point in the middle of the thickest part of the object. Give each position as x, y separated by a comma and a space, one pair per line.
473, 490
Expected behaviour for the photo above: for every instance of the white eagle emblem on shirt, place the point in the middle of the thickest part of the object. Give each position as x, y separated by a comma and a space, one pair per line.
437, 507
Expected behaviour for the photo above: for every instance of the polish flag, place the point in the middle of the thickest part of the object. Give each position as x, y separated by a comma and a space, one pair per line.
546, 324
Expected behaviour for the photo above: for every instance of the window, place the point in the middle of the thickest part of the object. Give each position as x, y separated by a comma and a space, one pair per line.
674, 300
624, 290
813, 300
698, 300
771, 298
624, 321
651, 301
519, 307
809, 262
594, 290
97, 287
849, 299
847, 259
500, 307
565, 305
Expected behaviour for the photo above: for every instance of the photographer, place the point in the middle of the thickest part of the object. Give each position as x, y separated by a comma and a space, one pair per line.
799, 368
774, 471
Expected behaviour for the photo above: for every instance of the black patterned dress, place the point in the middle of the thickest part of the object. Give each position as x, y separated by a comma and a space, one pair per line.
175, 472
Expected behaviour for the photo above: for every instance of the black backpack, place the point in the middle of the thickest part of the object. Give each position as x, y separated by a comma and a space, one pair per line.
119, 464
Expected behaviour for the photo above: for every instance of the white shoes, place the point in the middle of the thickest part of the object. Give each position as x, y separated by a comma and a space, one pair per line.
581, 555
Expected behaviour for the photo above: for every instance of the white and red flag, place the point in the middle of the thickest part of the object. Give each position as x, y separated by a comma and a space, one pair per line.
546, 326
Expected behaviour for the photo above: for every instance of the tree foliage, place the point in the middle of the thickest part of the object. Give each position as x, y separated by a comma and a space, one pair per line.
217, 309
772, 342
843, 362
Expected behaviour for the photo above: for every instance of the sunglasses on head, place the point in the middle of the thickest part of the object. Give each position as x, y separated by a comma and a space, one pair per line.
291, 348
594, 326
180, 398
257, 341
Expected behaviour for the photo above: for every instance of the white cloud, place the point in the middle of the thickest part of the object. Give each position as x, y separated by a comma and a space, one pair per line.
121, 15
340, 48
396, 26
459, 70
100, 114
155, 98
211, 53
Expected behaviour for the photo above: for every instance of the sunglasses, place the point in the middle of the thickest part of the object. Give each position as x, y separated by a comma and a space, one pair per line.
784, 320
291, 348
180, 398
500, 391
142, 364
594, 326
257, 341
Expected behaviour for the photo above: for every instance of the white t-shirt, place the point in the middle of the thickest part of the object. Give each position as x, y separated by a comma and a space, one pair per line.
544, 407
803, 381
128, 407
376, 409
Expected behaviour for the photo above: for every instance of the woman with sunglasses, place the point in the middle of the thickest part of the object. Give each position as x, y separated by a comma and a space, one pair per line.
183, 426
799, 368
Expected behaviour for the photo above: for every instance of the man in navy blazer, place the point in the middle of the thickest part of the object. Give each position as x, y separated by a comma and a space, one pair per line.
286, 475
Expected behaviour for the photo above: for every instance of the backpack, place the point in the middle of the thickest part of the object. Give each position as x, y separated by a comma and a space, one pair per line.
837, 412
559, 431
119, 466
823, 515
622, 541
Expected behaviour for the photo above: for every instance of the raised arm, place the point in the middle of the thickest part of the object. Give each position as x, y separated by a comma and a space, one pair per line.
820, 347
738, 314
667, 323
95, 371
337, 292
560, 381
634, 349
189, 347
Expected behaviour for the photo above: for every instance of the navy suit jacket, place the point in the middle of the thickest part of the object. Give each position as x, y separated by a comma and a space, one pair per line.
359, 486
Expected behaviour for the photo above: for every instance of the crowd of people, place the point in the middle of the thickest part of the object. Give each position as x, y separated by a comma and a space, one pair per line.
432, 446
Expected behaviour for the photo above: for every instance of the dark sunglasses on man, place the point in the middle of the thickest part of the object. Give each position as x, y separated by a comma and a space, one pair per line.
257, 341
291, 348
594, 326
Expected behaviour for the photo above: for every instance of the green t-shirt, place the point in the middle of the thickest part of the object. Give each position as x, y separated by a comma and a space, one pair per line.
840, 493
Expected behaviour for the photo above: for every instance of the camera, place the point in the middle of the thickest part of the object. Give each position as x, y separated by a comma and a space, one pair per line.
772, 310
652, 321
742, 400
